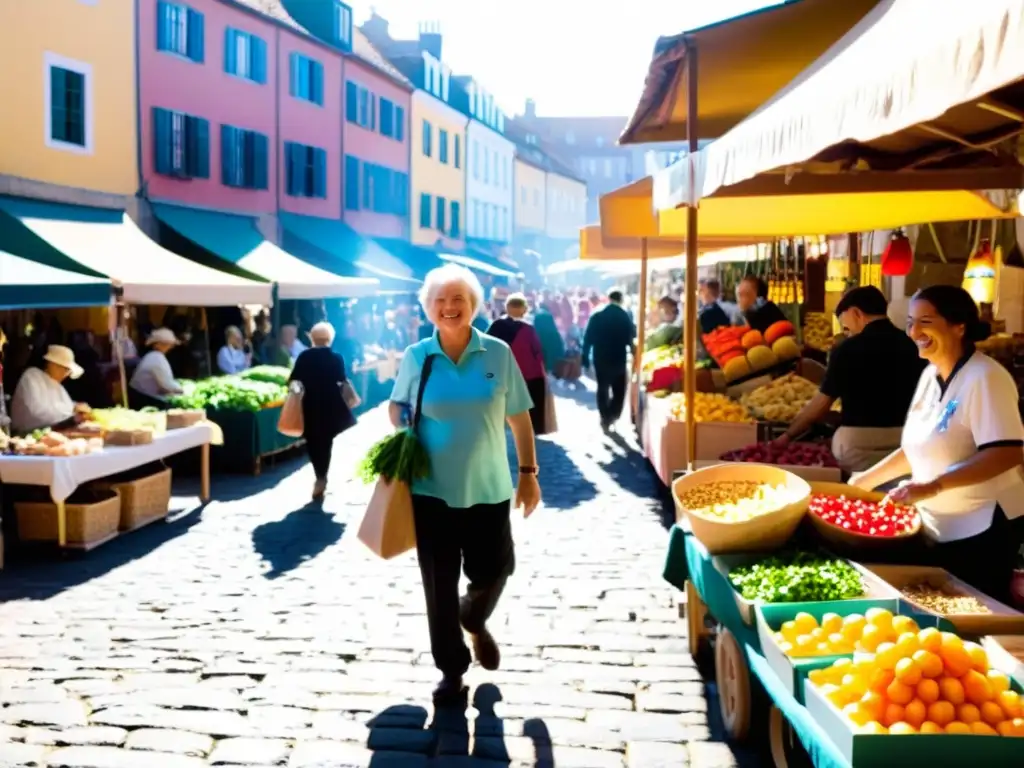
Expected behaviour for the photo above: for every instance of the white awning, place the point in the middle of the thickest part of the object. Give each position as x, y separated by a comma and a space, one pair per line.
479, 266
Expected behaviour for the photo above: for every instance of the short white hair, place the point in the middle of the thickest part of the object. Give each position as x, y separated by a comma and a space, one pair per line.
322, 334
448, 274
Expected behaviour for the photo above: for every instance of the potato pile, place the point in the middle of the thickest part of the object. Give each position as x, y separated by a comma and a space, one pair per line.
710, 407
736, 501
782, 399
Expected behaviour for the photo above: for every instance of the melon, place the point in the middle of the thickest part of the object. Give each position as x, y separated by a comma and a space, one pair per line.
761, 358
786, 348
752, 339
736, 368
777, 330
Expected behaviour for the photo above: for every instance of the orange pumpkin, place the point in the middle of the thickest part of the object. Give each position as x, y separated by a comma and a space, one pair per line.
777, 330
752, 339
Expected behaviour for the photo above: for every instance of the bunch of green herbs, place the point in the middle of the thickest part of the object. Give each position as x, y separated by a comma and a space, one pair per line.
797, 577
399, 456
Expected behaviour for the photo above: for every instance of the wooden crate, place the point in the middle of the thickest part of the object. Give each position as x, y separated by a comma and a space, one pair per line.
89, 524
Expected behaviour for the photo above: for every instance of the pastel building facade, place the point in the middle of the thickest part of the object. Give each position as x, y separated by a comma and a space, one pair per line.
69, 100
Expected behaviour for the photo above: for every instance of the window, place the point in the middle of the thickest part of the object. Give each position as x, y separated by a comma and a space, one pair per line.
476, 160
504, 224
442, 146
455, 226
342, 18
179, 29
457, 151
68, 104
428, 136
243, 158
361, 106
369, 185
487, 165
306, 170
181, 144
476, 219
245, 55
508, 173
399, 123
424, 210
307, 79
442, 210
387, 118
351, 183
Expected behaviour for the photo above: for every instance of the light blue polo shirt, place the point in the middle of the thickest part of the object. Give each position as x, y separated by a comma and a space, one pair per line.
463, 422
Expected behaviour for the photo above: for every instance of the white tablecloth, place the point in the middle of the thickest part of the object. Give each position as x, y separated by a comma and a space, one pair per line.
63, 474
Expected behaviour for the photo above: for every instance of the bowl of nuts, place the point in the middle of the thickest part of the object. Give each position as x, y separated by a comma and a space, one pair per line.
741, 507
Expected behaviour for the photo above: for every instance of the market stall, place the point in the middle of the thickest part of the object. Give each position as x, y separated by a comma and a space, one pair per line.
851, 654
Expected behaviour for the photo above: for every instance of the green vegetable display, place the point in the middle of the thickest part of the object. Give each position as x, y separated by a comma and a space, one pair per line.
796, 578
272, 374
229, 393
399, 456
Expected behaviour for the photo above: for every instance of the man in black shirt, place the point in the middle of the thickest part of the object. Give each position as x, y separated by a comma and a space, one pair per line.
874, 373
610, 333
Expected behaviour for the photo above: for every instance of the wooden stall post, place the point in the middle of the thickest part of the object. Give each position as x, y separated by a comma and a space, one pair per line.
641, 325
62, 524
690, 324
204, 473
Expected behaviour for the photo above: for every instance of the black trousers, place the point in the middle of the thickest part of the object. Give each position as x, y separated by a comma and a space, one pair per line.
538, 389
477, 539
611, 391
319, 446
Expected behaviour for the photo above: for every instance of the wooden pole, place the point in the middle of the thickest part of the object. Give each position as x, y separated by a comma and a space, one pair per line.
641, 324
690, 324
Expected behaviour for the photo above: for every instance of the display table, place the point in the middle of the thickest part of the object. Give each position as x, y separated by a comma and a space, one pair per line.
250, 437
62, 475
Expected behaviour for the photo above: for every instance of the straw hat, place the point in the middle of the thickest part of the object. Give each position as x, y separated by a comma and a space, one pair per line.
63, 357
162, 336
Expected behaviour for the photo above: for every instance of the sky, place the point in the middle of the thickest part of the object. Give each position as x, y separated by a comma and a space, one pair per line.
573, 57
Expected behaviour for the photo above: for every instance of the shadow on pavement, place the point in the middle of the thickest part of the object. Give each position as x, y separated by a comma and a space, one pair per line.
562, 484
29, 575
236, 487
634, 474
299, 536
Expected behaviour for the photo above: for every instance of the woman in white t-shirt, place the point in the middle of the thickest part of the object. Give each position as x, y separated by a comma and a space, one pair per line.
962, 446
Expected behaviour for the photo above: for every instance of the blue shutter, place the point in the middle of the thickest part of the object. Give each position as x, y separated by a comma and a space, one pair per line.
373, 111
303, 83
230, 51
196, 35
293, 74
399, 124
351, 183
290, 170
258, 65
319, 172
162, 41
317, 85
228, 139
199, 147
162, 140
260, 161
351, 99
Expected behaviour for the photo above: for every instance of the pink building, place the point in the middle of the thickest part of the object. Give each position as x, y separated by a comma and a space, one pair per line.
218, 129
376, 143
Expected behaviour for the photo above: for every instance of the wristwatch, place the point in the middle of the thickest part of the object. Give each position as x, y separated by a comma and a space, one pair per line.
534, 470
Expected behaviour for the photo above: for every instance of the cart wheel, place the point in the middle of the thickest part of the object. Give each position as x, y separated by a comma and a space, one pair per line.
695, 613
733, 679
787, 751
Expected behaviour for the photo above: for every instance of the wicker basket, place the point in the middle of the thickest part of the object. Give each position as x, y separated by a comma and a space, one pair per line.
125, 437
143, 499
87, 523
178, 418
758, 534
835, 535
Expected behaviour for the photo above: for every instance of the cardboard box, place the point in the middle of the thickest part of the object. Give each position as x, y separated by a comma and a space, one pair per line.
810, 474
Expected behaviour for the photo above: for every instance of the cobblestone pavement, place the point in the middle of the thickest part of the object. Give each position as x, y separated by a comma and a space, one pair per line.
257, 631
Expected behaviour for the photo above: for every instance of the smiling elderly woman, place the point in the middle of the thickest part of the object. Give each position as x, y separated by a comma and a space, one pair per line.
462, 510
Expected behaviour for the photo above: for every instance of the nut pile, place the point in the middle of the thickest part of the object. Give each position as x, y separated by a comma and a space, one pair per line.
736, 501
943, 601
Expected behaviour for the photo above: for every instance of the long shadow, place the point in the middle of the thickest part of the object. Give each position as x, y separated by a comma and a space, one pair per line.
633, 473
581, 392
236, 487
299, 536
562, 484
29, 576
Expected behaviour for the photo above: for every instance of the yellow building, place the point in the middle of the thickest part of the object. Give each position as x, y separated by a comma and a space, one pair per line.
530, 203
69, 114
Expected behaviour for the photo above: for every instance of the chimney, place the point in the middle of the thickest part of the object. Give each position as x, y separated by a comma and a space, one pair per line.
431, 38
376, 28
531, 109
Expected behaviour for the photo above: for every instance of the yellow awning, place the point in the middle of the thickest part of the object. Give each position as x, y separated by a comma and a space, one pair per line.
741, 63
594, 246
629, 212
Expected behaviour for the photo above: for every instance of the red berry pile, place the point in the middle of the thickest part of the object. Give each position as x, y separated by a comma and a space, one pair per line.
867, 518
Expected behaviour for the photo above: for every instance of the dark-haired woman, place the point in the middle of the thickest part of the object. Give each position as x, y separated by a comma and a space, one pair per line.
962, 446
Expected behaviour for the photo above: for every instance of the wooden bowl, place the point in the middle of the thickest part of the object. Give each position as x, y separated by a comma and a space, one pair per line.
833, 534
764, 532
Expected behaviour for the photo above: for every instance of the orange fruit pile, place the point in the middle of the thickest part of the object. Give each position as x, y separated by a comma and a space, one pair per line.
925, 682
836, 635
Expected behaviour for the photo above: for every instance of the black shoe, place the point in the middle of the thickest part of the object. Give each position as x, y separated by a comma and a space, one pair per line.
486, 650
450, 690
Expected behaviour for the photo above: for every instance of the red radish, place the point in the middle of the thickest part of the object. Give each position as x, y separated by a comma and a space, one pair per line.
866, 517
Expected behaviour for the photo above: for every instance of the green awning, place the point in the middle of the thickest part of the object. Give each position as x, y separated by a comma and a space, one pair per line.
107, 243
340, 249
27, 284
236, 239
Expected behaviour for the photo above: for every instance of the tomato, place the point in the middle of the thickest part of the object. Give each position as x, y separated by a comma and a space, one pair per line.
865, 517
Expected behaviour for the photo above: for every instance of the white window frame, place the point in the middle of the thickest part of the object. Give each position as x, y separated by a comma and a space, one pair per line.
51, 60
343, 18
243, 55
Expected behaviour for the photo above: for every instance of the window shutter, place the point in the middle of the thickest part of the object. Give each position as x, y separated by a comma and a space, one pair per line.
290, 173
373, 111
230, 51
317, 86
351, 97
320, 173
58, 110
293, 74
228, 137
258, 54
196, 35
260, 161
162, 43
198, 164
399, 124
161, 141
304, 85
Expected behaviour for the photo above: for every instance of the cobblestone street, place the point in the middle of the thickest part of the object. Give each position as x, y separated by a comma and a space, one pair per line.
258, 631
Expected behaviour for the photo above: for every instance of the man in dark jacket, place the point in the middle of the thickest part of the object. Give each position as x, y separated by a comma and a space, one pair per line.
610, 333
